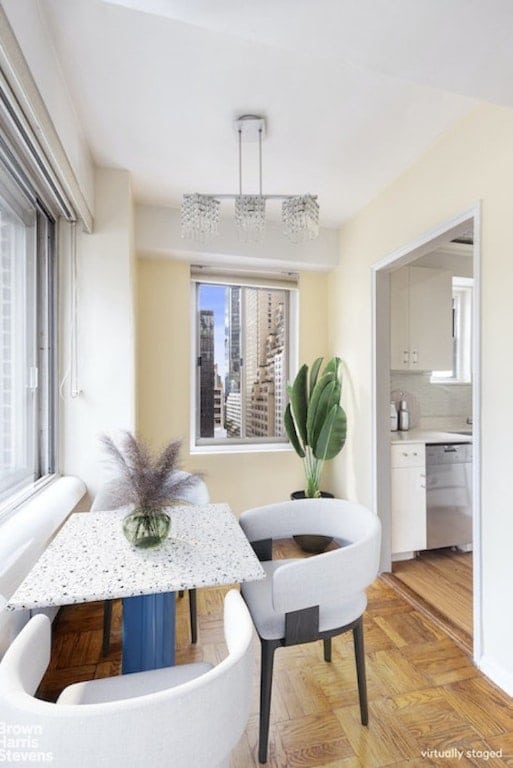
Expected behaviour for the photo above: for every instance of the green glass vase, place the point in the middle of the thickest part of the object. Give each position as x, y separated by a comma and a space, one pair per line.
146, 528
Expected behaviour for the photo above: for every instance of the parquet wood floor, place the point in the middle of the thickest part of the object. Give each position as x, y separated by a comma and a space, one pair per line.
443, 578
427, 700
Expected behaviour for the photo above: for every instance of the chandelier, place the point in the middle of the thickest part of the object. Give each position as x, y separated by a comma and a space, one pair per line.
200, 213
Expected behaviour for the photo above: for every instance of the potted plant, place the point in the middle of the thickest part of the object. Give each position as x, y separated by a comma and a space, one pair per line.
315, 422
316, 425
150, 483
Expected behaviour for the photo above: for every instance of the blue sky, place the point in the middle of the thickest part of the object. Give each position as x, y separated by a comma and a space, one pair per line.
213, 297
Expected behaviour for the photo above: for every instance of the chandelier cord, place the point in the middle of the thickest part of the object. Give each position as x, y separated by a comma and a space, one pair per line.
260, 158
240, 161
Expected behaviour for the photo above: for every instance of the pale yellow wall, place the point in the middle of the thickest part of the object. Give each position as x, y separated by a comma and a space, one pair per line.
163, 403
472, 162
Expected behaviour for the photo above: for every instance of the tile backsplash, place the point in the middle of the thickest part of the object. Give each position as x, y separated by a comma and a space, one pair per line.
440, 406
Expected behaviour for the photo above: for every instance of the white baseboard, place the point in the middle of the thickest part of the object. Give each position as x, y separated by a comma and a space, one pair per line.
497, 674
403, 556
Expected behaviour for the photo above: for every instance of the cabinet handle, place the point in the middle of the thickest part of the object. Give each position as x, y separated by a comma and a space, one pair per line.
422, 485
406, 356
415, 453
405, 454
415, 357
422, 475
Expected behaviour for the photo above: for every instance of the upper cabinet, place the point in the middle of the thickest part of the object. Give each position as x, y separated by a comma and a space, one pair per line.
421, 319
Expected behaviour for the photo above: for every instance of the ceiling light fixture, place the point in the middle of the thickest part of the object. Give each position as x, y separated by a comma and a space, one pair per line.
200, 213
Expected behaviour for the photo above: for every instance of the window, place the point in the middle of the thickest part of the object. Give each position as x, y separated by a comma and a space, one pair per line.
27, 349
242, 362
461, 371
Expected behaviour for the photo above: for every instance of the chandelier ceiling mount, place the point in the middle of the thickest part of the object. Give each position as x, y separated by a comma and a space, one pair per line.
200, 213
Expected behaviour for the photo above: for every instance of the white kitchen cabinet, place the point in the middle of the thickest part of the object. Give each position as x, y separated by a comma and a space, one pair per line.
421, 319
408, 498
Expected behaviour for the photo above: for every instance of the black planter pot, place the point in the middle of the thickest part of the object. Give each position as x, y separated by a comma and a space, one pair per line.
312, 543
301, 495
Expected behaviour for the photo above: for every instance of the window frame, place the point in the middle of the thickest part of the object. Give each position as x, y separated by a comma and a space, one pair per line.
40, 311
462, 297
202, 445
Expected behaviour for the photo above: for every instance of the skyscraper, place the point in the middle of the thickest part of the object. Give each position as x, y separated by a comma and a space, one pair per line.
265, 365
233, 420
207, 373
218, 401
233, 338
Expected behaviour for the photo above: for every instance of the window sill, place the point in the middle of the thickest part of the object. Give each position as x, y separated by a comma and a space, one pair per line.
24, 495
47, 487
451, 382
241, 448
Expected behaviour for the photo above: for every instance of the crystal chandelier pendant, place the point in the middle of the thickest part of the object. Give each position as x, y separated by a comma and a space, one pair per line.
250, 217
200, 213
300, 216
200, 217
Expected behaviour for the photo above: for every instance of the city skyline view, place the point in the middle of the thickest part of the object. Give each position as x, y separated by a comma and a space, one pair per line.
213, 297
243, 361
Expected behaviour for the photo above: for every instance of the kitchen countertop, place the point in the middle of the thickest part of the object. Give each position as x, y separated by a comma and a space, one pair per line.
428, 436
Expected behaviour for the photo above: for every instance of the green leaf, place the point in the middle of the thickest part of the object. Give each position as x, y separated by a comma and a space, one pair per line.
332, 436
337, 393
314, 373
333, 366
291, 432
321, 400
299, 402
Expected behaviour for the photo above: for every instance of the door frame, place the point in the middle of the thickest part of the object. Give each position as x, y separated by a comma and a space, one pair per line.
381, 469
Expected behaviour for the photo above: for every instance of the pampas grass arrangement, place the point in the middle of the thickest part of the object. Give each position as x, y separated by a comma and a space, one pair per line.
147, 480
150, 482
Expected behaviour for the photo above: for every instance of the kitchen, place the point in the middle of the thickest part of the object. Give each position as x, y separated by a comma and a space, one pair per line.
431, 433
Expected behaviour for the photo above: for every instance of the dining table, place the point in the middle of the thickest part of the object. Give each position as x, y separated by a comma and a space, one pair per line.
90, 559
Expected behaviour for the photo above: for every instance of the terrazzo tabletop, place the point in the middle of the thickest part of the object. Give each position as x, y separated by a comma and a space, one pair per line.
89, 559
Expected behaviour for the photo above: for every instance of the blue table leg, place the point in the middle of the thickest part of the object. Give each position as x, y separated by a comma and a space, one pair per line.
148, 632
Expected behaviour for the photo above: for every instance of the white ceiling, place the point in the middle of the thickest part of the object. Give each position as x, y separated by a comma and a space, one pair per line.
353, 90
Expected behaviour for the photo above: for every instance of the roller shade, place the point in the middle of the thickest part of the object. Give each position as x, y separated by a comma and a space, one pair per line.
205, 274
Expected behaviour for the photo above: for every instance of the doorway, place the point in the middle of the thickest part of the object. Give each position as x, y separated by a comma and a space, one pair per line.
459, 229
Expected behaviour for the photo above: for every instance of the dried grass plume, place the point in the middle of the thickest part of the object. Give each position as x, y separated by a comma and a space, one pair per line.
147, 480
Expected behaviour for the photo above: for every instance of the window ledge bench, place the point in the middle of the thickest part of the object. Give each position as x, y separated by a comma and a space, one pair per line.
23, 537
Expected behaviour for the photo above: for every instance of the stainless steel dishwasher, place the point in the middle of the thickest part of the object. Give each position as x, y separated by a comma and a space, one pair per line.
449, 495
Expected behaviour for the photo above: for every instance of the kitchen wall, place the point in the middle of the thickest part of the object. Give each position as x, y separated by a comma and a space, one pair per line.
437, 406
243, 479
472, 162
433, 406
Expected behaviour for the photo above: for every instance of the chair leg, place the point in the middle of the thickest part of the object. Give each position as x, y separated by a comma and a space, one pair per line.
180, 593
327, 648
193, 616
107, 621
359, 653
266, 683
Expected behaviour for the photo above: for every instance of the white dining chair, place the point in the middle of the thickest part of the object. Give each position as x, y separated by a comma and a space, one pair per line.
184, 716
314, 598
112, 496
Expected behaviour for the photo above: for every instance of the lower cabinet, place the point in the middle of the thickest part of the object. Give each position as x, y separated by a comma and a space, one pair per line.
408, 498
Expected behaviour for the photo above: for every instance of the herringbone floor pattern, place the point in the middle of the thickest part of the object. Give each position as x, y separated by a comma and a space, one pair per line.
429, 705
